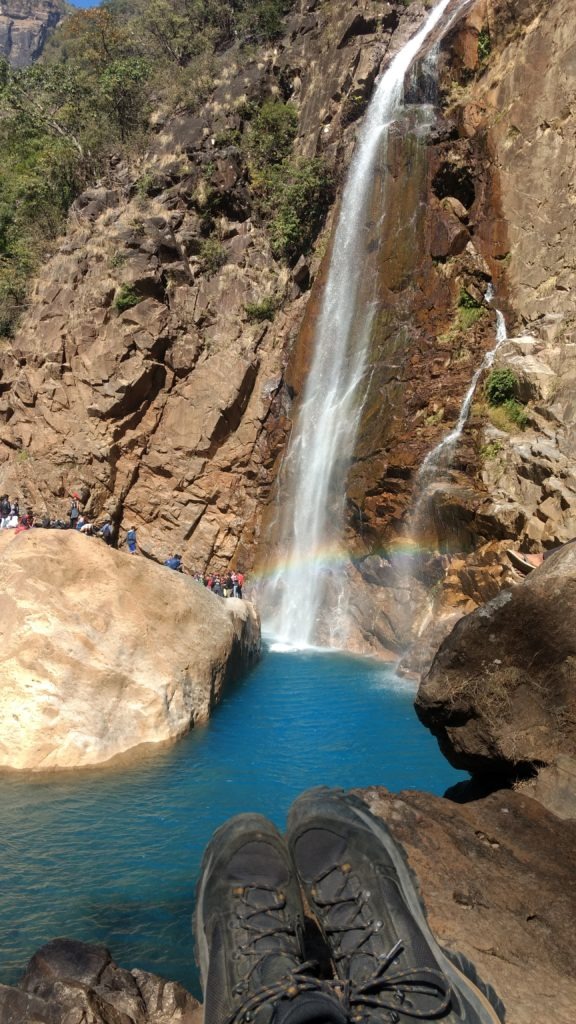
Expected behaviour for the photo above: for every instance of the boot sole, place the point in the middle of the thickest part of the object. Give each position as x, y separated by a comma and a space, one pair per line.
482, 998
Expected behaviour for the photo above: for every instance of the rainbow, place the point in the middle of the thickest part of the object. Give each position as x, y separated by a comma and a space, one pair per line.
331, 557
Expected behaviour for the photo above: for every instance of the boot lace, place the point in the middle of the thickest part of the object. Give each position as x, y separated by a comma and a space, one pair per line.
297, 979
386, 988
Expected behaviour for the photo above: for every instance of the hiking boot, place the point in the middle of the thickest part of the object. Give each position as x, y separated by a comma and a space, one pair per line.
359, 886
249, 925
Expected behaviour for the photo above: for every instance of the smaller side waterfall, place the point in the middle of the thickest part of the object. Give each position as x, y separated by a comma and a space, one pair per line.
440, 456
417, 554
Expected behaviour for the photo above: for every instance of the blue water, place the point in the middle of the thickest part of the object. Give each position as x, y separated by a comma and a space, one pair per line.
111, 856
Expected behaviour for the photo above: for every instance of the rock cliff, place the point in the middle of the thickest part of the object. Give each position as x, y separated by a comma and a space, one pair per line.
501, 694
102, 651
489, 171
175, 412
24, 28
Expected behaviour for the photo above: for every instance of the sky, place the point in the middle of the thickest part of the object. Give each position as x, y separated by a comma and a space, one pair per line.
85, 3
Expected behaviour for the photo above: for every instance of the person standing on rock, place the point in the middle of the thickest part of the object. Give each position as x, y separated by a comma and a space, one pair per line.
74, 514
132, 541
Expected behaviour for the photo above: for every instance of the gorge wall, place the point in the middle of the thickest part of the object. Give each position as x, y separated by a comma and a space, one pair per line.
174, 413
24, 28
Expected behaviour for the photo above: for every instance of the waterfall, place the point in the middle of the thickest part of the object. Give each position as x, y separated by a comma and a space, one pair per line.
441, 454
414, 552
314, 473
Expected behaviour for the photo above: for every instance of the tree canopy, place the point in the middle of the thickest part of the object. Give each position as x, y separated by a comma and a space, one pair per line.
101, 75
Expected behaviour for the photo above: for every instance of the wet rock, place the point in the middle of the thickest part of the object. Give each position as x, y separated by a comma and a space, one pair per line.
68, 980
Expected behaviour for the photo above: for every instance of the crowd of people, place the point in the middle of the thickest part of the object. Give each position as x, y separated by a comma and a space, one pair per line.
228, 584
12, 517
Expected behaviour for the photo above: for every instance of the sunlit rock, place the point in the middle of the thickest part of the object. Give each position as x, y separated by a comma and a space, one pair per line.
102, 651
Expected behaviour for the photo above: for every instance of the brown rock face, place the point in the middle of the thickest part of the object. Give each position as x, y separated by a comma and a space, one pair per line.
488, 167
173, 413
69, 980
24, 28
501, 693
497, 880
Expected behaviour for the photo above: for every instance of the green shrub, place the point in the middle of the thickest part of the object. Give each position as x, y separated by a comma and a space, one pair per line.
295, 197
491, 450
145, 185
468, 316
516, 412
467, 301
270, 134
12, 297
508, 417
259, 21
126, 297
117, 259
484, 45
500, 386
212, 256
227, 137
264, 310
469, 310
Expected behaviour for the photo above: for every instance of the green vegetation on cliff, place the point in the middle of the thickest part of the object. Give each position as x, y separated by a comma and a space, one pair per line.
102, 75
292, 195
505, 410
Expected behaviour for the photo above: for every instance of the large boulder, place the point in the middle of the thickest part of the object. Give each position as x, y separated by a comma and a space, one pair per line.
73, 981
497, 877
103, 651
501, 693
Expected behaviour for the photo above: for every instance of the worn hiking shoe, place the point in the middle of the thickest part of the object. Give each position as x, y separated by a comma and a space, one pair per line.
249, 924
359, 885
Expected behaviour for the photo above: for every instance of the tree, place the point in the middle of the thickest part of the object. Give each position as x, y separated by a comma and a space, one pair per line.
45, 98
122, 95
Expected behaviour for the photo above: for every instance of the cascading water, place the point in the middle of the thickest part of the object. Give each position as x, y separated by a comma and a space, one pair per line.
317, 461
440, 456
436, 465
